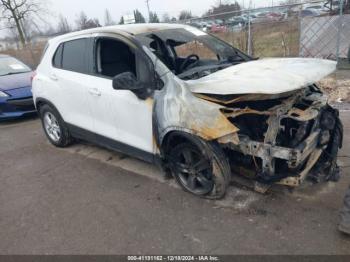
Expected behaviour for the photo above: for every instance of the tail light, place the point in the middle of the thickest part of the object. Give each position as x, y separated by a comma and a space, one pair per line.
32, 76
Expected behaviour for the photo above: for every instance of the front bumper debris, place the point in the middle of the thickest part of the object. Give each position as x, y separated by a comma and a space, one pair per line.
317, 135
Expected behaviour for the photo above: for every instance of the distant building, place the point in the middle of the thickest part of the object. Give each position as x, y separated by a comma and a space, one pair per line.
129, 19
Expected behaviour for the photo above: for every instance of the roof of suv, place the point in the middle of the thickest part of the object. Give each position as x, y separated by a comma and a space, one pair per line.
132, 29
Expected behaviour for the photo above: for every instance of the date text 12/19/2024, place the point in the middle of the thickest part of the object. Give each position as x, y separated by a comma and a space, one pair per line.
174, 258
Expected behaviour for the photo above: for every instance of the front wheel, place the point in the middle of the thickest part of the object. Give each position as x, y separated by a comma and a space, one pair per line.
200, 168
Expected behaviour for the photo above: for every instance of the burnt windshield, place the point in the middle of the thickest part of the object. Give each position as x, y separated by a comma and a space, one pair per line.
191, 53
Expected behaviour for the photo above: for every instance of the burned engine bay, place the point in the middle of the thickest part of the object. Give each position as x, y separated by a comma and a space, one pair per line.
282, 138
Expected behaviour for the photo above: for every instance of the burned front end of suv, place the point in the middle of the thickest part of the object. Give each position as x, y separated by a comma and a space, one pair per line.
271, 121
282, 138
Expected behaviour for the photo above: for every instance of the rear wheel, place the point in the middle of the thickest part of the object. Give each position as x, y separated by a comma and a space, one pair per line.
200, 168
54, 126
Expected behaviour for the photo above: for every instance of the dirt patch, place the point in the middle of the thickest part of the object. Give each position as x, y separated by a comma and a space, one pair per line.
337, 88
30, 55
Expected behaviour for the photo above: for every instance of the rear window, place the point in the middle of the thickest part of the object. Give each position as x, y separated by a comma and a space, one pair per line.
72, 56
57, 60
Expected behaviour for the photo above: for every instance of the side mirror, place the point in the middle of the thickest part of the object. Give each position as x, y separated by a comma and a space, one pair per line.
126, 81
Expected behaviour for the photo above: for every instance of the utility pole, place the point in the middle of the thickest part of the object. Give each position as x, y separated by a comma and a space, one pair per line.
149, 12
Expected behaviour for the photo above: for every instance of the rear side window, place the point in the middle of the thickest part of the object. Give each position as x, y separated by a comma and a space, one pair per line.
72, 56
57, 60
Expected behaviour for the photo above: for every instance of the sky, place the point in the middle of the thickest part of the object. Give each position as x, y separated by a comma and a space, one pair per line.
117, 8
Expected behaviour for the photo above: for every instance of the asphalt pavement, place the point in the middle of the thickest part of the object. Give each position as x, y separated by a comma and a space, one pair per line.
88, 200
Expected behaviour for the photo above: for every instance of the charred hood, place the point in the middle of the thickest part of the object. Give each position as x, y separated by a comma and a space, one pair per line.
265, 76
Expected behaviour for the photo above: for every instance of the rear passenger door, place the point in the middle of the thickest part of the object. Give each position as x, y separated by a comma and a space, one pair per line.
71, 72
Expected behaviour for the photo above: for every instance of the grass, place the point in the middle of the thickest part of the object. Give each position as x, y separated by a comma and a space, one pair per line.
277, 39
30, 55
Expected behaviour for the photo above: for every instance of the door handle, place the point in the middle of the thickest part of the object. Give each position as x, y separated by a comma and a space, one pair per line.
53, 77
94, 92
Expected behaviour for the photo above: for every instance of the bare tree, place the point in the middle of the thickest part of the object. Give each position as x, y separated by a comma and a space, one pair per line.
63, 26
224, 10
139, 18
17, 11
153, 17
166, 18
108, 18
222, 2
185, 14
12, 32
83, 22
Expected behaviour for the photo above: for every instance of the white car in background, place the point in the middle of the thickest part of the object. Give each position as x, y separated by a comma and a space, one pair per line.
319, 8
179, 97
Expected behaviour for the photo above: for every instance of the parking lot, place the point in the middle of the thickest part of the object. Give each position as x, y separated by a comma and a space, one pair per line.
87, 200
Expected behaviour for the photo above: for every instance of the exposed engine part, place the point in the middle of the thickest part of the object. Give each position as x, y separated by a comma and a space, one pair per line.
285, 140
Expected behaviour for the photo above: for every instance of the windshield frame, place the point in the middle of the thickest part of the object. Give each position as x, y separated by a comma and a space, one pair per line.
168, 39
205, 38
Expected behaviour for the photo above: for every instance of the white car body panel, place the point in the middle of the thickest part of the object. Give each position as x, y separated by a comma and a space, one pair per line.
72, 97
120, 115
90, 102
265, 76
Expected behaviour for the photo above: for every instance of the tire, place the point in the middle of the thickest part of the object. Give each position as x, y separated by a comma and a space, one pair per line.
200, 168
54, 127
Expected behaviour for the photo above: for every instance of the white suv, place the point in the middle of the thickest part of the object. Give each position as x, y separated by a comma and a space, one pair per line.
174, 95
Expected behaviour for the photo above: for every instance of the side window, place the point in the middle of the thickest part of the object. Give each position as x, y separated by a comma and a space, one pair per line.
57, 59
114, 57
74, 56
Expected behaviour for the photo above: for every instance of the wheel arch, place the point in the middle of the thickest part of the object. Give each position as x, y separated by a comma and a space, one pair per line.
210, 149
174, 136
39, 102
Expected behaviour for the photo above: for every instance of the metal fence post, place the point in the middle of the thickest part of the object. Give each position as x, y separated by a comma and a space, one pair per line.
249, 35
340, 25
301, 50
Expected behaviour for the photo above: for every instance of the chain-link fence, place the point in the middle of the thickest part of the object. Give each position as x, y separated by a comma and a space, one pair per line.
313, 29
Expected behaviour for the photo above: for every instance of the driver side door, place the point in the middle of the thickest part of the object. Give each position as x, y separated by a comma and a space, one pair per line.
122, 121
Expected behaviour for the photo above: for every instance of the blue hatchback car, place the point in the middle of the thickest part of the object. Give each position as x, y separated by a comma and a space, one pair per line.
16, 98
